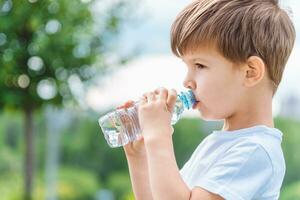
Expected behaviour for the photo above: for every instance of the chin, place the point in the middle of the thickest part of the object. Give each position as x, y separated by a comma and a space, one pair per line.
210, 117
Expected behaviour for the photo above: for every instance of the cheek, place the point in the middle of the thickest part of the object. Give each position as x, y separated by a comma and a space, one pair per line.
211, 89
219, 98
217, 108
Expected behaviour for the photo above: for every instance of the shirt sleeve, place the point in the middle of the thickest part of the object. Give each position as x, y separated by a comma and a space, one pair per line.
243, 171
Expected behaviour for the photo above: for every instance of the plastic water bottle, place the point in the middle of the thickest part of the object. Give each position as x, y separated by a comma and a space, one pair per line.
122, 126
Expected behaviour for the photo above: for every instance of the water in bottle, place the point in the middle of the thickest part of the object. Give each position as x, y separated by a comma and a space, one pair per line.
122, 126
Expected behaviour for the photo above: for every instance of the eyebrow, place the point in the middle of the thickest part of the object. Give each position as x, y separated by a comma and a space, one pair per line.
198, 59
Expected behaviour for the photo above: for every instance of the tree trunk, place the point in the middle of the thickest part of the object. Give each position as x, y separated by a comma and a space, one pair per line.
29, 153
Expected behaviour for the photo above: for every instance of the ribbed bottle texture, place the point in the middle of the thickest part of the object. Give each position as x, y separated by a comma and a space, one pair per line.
122, 126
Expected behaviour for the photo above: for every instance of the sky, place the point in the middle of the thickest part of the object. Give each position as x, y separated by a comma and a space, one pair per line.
155, 65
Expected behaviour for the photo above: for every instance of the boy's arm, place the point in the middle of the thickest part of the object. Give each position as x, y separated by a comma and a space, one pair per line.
155, 113
165, 179
139, 176
137, 163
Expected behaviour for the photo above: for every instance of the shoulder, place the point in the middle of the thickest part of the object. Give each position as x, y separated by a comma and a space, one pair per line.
246, 153
258, 140
244, 163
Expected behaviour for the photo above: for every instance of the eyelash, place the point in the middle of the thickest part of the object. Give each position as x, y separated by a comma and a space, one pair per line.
200, 66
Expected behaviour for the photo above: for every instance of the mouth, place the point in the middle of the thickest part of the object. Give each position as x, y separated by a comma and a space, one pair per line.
195, 104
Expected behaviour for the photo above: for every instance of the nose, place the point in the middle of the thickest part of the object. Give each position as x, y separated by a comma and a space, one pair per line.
189, 83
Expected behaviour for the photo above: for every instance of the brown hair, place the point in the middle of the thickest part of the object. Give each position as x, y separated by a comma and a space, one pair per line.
239, 29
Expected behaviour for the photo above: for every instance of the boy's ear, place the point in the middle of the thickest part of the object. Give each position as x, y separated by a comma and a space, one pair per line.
254, 71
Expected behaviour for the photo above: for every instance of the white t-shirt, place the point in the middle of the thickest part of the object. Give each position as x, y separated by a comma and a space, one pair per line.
238, 165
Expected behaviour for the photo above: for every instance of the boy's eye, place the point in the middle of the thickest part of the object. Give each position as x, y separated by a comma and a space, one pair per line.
199, 66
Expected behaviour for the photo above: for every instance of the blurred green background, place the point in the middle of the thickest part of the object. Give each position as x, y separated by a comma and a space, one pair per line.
51, 53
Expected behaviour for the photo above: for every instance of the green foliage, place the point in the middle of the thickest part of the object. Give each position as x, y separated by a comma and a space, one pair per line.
119, 183
188, 133
10, 186
129, 196
75, 184
90, 161
290, 146
291, 192
44, 42
83, 145
44, 45
10, 162
11, 125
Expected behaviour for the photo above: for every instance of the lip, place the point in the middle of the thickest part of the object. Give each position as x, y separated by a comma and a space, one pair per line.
195, 104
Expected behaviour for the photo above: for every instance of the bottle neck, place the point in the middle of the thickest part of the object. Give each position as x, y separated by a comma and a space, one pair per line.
187, 99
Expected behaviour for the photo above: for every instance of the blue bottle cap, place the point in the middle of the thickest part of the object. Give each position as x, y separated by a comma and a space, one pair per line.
188, 99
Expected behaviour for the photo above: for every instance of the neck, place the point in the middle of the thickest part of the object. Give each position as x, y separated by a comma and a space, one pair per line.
255, 112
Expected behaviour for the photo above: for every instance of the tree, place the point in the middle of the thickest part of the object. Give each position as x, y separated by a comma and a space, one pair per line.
42, 44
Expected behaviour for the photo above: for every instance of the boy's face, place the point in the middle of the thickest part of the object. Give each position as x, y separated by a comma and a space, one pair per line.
216, 83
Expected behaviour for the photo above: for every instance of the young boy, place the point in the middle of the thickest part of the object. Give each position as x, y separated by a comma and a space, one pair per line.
235, 52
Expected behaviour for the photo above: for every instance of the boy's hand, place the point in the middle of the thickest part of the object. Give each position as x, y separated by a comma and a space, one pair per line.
137, 147
127, 104
155, 113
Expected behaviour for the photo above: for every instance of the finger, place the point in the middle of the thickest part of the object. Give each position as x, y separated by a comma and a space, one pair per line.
120, 107
127, 104
150, 96
143, 100
139, 137
138, 143
171, 100
162, 93
134, 145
